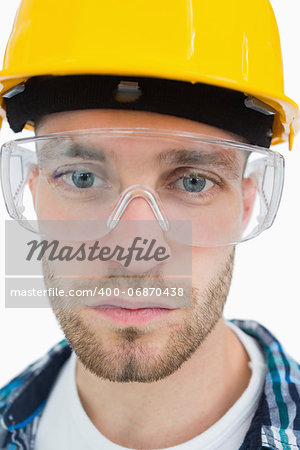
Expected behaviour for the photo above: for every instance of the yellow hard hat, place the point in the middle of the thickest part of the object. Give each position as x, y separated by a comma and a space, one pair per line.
232, 44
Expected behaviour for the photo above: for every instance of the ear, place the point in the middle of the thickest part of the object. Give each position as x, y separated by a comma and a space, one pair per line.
32, 183
249, 194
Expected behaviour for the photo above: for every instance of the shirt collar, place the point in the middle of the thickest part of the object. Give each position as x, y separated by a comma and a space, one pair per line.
33, 387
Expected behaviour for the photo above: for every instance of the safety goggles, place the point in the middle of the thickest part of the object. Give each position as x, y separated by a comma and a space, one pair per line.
227, 191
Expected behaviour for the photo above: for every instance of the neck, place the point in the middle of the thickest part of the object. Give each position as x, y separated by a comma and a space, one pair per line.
175, 409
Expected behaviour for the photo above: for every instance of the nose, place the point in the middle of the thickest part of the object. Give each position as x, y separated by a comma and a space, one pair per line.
138, 209
136, 191
138, 229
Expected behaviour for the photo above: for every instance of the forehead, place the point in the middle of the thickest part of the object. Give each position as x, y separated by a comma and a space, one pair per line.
158, 152
86, 119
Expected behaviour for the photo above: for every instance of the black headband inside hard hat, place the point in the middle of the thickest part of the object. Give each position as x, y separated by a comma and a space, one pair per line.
223, 108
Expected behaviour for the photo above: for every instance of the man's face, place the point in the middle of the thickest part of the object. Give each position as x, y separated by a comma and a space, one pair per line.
155, 349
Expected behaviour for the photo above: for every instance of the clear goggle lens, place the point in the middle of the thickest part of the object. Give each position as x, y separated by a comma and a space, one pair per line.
227, 191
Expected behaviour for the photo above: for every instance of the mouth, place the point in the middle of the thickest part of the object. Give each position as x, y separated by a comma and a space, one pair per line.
117, 302
124, 311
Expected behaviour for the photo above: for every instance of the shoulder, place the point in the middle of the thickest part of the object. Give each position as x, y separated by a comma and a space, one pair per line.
282, 367
33, 384
279, 412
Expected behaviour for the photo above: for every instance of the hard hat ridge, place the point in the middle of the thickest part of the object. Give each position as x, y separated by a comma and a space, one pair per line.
213, 105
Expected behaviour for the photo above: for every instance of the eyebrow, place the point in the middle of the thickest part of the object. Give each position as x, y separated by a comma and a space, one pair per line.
54, 151
77, 150
222, 160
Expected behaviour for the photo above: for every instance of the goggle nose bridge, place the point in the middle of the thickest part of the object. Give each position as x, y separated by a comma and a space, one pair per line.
134, 191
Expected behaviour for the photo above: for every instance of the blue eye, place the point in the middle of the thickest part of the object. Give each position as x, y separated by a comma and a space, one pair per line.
82, 179
193, 183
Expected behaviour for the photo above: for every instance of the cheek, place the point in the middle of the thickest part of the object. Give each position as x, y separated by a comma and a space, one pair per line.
207, 263
47, 204
43, 200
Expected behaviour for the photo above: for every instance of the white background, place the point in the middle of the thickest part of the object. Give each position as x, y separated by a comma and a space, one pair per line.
267, 271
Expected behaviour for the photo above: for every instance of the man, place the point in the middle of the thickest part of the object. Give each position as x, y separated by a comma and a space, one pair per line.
161, 114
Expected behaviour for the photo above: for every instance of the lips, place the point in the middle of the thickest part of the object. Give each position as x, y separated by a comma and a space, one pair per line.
131, 311
116, 302
136, 316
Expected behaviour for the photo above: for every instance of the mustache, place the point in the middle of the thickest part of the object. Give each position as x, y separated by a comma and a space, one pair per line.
120, 278
117, 282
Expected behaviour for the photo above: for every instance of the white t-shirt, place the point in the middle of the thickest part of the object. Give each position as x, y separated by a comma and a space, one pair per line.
71, 428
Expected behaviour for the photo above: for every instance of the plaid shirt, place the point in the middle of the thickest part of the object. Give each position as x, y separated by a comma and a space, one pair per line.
275, 425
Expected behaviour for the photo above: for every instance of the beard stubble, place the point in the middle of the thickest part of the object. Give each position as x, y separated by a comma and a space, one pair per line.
129, 359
